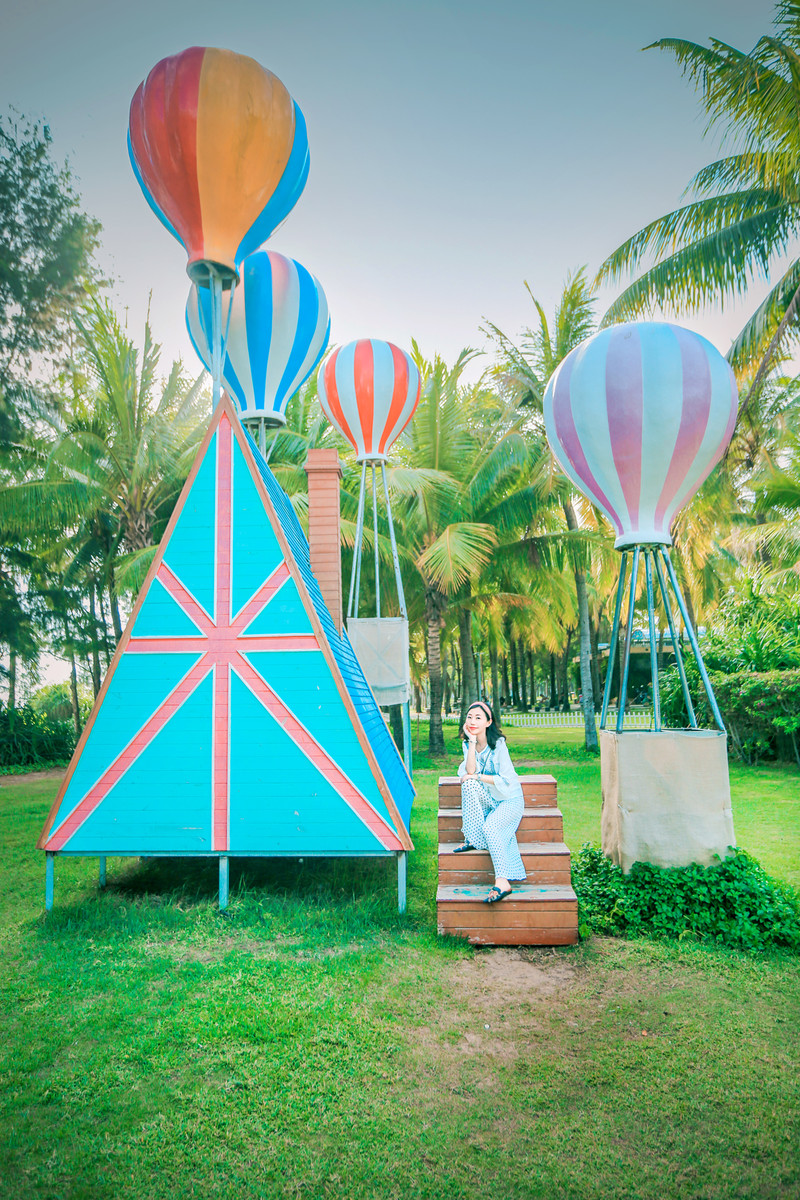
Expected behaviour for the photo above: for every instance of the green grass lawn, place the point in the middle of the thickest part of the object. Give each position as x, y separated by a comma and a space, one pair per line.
313, 1043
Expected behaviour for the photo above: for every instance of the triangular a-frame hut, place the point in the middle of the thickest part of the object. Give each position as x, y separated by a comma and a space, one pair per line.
234, 719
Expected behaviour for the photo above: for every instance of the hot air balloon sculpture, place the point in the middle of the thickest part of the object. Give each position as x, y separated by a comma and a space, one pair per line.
369, 390
278, 329
638, 415
219, 148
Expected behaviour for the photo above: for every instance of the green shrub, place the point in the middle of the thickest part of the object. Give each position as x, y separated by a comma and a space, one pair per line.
28, 739
761, 709
54, 701
734, 903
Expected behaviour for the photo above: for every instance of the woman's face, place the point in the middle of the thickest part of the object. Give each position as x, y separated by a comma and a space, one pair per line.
477, 722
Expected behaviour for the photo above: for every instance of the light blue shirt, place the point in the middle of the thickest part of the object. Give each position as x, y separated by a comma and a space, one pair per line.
505, 784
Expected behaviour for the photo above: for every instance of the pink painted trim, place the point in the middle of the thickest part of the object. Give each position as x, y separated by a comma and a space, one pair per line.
181, 692
261, 598
317, 755
221, 780
184, 598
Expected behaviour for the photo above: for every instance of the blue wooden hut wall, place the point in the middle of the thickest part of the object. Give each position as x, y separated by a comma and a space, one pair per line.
235, 719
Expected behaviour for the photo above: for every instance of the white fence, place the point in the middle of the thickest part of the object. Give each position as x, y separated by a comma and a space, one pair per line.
636, 718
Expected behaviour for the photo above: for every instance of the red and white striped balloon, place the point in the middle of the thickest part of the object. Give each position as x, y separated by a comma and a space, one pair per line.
638, 415
368, 391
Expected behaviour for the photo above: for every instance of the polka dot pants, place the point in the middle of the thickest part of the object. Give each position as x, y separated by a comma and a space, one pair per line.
492, 825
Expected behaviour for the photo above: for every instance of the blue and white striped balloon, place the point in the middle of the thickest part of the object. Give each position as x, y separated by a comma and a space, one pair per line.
279, 331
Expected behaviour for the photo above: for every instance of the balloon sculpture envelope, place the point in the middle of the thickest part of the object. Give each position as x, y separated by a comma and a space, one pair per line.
369, 390
220, 151
637, 416
278, 332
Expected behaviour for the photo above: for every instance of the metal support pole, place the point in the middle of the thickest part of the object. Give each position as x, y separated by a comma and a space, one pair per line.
676, 645
612, 649
215, 284
101, 873
407, 738
224, 880
375, 536
262, 436
401, 881
401, 599
651, 626
626, 661
701, 666
355, 574
49, 879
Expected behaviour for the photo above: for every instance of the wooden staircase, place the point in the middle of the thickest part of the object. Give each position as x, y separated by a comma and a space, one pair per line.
543, 911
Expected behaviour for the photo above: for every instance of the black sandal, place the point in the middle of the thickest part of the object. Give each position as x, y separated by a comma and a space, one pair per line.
501, 895
463, 849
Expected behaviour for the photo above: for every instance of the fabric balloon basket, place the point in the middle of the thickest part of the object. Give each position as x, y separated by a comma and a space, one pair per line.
666, 797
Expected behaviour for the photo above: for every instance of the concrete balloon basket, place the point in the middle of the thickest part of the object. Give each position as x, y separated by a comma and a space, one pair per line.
666, 797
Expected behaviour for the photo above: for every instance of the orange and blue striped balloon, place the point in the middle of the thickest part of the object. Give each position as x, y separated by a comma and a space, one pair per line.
220, 150
368, 391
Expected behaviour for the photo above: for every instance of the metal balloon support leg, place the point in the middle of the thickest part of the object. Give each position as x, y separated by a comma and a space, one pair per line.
355, 573
401, 599
653, 556
375, 543
219, 337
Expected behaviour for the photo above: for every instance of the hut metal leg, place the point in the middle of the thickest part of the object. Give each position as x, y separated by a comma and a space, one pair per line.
101, 874
49, 879
224, 878
401, 880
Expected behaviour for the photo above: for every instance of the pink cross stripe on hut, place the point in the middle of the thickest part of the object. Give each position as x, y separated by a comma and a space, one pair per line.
234, 719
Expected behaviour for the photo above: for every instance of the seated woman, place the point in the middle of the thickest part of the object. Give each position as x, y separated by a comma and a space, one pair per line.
491, 799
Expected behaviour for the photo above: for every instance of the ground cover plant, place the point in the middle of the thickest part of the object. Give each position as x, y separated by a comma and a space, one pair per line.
312, 1042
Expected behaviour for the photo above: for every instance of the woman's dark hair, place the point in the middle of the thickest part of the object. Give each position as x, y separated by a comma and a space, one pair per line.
493, 730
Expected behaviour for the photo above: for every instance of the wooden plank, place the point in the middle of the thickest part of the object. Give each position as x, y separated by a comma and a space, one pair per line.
487, 918
515, 937
537, 790
546, 825
456, 877
524, 893
544, 862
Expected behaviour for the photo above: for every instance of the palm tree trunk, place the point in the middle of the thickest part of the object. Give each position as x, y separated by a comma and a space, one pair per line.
495, 679
565, 673
113, 604
469, 691
594, 634
12, 686
435, 604
587, 691
73, 693
506, 684
532, 670
396, 723
94, 646
514, 674
523, 683
553, 692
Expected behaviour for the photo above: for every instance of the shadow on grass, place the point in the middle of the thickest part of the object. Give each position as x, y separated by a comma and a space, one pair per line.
317, 900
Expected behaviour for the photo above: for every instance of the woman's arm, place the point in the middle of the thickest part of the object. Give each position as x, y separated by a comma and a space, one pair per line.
505, 781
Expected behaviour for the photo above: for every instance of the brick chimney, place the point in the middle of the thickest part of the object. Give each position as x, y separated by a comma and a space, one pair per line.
324, 473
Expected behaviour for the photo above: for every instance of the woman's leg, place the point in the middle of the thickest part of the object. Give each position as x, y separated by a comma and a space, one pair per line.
500, 831
475, 803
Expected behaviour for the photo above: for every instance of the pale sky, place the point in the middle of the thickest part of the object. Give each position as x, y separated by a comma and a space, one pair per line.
457, 149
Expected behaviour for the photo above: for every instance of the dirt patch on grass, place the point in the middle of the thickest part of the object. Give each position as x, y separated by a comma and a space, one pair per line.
32, 776
514, 974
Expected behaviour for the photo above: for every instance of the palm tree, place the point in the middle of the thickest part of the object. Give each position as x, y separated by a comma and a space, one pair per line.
528, 369
745, 208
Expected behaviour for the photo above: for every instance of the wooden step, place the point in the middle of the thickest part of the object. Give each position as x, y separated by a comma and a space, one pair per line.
537, 790
544, 862
534, 915
538, 824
